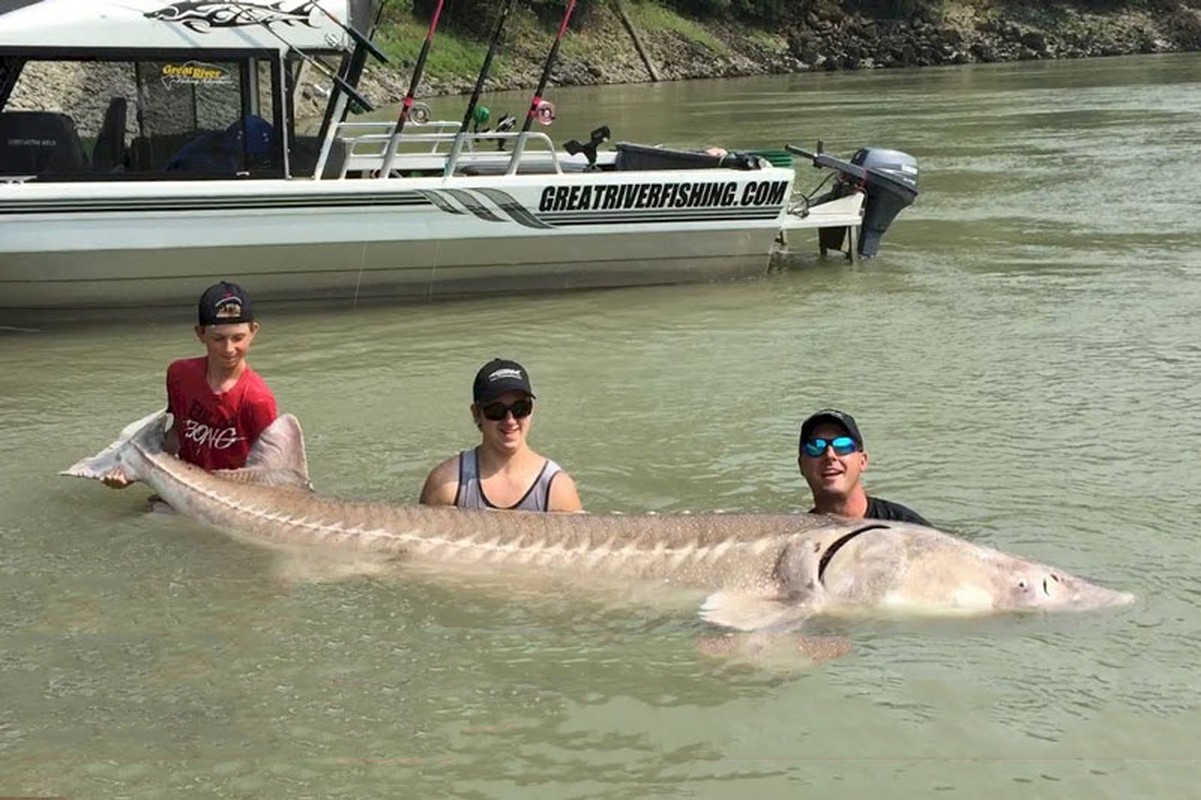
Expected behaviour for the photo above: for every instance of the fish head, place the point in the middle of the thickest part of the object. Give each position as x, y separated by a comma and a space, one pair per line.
1036, 586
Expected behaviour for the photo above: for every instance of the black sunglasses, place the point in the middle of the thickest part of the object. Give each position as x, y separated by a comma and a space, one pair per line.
520, 409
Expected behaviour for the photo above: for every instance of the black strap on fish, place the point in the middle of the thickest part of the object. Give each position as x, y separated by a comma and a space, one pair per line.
837, 545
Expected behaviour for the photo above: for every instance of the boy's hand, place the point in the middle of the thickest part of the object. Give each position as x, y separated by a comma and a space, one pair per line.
115, 480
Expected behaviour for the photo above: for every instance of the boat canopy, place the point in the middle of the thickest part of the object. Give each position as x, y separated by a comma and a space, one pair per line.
27, 26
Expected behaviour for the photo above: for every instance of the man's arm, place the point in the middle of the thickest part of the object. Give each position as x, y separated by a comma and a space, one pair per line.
563, 495
442, 484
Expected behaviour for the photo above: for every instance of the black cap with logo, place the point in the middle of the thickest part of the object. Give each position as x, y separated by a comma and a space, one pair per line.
497, 377
224, 303
835, 416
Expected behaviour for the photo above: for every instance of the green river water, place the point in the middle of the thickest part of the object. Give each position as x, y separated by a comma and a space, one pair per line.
1024, 361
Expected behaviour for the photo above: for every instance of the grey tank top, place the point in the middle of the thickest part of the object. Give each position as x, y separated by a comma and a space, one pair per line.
471, 494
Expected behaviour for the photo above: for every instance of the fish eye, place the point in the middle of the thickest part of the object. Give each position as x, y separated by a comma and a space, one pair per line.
1021, 584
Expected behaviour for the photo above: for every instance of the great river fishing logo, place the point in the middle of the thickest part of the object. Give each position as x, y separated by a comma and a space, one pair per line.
204, 15
195, 73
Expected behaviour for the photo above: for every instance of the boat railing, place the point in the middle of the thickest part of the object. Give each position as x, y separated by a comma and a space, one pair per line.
371, 132
430, 146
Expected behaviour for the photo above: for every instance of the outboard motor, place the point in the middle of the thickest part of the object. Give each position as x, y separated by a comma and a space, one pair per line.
888, 177
891, 188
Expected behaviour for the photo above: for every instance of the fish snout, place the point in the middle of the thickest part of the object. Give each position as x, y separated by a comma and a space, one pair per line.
1057, 590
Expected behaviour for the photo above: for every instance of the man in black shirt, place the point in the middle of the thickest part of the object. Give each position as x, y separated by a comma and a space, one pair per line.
831, 459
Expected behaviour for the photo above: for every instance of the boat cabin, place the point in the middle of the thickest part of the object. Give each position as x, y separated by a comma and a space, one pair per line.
152, 89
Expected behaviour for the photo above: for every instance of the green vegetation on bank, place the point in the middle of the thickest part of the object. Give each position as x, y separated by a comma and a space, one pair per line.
475, 16
463, 32
454, 53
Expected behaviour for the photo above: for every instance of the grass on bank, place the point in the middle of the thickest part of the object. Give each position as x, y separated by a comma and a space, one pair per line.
456, 55
654, 17
450, 54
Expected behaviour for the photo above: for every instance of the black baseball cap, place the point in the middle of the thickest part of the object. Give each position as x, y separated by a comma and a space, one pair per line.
224, 303
497, 377
831, 415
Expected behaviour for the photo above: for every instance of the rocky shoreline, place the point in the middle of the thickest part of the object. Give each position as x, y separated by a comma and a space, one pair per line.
601, 51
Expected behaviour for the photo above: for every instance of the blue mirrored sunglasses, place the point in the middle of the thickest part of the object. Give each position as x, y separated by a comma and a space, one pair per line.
843, 446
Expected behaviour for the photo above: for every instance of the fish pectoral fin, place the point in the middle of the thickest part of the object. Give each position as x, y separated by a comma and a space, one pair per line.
752, 612
773, 650
280, 448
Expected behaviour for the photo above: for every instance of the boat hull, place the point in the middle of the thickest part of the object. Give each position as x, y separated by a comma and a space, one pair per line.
72, 246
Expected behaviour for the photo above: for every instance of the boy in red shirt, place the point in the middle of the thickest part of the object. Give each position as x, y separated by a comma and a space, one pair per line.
219, 404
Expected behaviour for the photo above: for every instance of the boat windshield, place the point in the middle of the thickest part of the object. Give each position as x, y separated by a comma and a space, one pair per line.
156, 118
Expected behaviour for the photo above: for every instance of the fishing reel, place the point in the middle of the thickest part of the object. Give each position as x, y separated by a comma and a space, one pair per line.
544, 112
506, 124
480, 116
420, 113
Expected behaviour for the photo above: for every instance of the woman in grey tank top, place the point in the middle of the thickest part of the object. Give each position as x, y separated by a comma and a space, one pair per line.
503, 472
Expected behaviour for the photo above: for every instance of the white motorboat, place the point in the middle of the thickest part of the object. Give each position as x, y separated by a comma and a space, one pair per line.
167, 156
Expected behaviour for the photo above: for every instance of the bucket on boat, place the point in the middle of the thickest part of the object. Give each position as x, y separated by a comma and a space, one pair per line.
777, 158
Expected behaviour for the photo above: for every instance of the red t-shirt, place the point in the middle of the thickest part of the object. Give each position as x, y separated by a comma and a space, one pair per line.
216, 430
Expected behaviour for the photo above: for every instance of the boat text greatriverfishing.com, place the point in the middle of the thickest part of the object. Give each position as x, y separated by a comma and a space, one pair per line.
661, 195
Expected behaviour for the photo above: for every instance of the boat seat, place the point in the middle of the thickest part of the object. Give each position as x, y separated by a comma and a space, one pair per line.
151, 153
108, 154
38, 142
245, 144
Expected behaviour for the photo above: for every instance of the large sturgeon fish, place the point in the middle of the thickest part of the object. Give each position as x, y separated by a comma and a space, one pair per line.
759, 571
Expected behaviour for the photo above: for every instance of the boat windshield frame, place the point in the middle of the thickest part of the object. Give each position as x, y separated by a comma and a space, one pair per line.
114, 126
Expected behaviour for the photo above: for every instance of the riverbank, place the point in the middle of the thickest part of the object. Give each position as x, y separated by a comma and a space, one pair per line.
599, 50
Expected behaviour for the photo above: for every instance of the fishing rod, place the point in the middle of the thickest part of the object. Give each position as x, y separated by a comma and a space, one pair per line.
336, 115
407, 104
362, 40
537, 108
457, 147
341, 84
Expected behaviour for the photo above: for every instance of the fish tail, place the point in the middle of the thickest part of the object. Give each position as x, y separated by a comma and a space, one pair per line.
108, 462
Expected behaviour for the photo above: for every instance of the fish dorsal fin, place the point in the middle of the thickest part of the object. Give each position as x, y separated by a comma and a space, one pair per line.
277, 457
746, 611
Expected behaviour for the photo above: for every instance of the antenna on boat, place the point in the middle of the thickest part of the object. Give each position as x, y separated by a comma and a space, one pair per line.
406, 105
538, 108
457, 147
341, 84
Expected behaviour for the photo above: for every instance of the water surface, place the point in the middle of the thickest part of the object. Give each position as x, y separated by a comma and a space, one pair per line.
1023, 360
